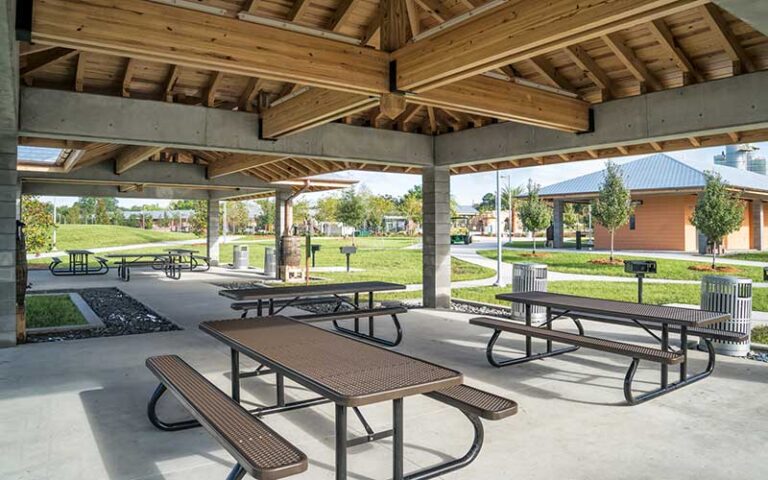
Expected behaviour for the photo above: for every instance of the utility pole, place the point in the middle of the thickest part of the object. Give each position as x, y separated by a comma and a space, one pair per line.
224, 223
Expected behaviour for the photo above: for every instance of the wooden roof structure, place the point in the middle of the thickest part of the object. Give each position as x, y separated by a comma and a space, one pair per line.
427, 67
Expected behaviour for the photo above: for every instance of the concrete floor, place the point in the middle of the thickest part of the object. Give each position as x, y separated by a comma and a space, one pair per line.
76, 410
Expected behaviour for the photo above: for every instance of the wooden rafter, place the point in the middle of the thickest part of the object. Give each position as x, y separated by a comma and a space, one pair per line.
129, 157
251, 6
434, 9
544, 68
82, 61
298, 9
236, 162
250, 93
43, 58
130, 69
719, 27
517, 31
663, 35
414, 21
342, 13
635, 66
170, 82
166, 34
591, 69
213, 88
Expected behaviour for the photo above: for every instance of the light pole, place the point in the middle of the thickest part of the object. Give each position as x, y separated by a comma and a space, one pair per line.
510, 219
499, 280
54, 223
224, 224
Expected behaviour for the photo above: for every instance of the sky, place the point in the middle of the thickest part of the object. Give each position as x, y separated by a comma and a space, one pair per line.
469, 189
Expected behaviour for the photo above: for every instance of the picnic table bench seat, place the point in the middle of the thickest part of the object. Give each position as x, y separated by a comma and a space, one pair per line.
247, 306
349, 314
474, 401
258, 450
627, 349
704, 332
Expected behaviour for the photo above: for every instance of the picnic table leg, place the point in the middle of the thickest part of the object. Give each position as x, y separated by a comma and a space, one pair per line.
260, 309
549, 327
370, 319
235, 358
528, 345
280, 389
357, 307
341, 442
271, 306
397, 439
684, 346
665, 347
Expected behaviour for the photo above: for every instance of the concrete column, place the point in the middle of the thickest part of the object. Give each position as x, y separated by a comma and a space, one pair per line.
557, 223
9, 194
280, 220
213, 231
759, 240
436, 252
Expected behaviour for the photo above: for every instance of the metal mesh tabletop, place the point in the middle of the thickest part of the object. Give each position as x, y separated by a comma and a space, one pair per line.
611, 308
346, 371
309, 290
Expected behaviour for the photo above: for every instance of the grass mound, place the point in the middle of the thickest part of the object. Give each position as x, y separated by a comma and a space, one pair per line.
701, 267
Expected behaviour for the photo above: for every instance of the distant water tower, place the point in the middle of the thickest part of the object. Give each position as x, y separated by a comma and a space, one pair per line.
742, 156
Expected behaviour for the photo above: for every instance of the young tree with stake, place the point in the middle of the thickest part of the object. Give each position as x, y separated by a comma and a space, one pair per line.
718, 212
535, 215
613, 206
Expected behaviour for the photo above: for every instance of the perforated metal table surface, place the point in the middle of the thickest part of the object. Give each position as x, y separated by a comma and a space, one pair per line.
309, 290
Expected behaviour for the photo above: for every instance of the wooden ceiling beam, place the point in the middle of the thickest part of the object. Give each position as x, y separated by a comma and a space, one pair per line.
130, 68
129, 157
663, 35
511, 101
238, 162
314, 107
543, 67
213, 88
298, 9
43, 58
170, 83
630, 61
250, 93
727, 40
591, 69
82, 59
435, 9
166, 34
516, 31
414, 20
342, 13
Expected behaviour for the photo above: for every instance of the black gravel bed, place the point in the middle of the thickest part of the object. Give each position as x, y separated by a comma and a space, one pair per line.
121, 314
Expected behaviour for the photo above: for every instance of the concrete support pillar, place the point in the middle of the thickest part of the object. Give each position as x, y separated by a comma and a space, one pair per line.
436, 252
759, 240
557, 223
280, 220
9, 196
213, 231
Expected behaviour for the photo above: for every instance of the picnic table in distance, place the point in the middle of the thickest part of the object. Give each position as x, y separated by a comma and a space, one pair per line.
78, 264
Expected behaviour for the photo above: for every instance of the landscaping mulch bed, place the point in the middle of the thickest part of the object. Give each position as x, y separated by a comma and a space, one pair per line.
121, 314
717, 269
607, 261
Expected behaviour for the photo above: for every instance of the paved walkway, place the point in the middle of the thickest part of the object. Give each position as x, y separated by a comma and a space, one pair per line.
76, 409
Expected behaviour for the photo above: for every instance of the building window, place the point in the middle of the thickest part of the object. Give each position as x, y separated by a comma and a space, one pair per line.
632, 222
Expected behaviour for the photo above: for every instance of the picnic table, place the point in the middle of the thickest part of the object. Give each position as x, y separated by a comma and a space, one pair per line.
341, 370
650, 318
255, 299
169, 263
78, 264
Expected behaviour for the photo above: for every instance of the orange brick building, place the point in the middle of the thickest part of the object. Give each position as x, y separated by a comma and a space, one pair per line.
664, 193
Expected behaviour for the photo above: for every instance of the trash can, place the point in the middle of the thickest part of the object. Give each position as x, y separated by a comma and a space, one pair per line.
240, 259
269, 262
731, 295
529, 277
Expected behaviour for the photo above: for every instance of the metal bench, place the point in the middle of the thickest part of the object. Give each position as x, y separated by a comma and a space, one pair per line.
335, 317
474, 404
124, 269
636, 352
258, 450
55, 261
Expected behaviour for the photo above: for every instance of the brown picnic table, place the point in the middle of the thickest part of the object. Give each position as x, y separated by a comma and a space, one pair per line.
349, 373
278, 299
651, 318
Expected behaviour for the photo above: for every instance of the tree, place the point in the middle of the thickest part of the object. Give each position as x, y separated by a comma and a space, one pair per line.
237, 216
510, 200
718, 212
411, 208
326, 208
198, 221
613, 205
488, 204
265, 219
377, 207
101, 212
301, 211
38, 217
535, 215
571, 217
72, 215
351, 210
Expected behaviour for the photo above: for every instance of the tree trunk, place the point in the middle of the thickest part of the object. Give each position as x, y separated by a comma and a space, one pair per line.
611, 246
534, 243
715, 245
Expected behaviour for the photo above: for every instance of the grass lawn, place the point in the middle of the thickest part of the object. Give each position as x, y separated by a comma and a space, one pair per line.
579, 263
95, 236
52, 311
652, 293
760, 334
754, 256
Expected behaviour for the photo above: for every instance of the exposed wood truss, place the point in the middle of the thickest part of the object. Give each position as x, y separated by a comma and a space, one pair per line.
131, 156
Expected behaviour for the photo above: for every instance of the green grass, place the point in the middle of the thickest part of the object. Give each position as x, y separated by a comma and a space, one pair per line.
52, 311
760, 334
653, 293
579, 263
95, 236
754, 256
528, 244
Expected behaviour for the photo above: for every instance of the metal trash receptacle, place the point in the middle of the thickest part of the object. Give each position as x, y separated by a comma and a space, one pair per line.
731, 295
529, 277
269, 262
240, 257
